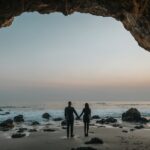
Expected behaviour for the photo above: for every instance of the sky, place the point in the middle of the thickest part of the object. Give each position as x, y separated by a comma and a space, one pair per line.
46, 58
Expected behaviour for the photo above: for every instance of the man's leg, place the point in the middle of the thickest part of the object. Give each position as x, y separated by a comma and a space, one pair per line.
68, 129
72, 123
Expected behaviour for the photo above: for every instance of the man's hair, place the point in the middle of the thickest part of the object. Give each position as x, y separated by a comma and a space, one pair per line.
69, 103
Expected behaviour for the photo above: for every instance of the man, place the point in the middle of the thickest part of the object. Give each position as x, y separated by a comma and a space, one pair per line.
69, 115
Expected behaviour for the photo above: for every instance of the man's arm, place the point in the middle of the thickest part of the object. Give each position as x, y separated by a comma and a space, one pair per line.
81, 113
75, 113
65, 113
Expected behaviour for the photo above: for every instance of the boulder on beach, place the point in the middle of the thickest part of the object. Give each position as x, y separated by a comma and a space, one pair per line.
19, 118
63, 123
46, 115
58, 119
21, 130
84, 148
49, 130
32, 130
139, 127
34, 123
7, 124
107, 120
133, 115
95, 117
95, 141
18, 135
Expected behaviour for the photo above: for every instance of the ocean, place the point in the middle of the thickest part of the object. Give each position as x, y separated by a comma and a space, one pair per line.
56, 109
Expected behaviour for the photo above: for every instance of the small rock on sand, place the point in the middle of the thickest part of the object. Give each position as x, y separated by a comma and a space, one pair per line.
95, 141
18, 135
49, 130
84, 148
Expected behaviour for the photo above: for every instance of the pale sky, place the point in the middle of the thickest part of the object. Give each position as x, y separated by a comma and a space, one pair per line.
52, 57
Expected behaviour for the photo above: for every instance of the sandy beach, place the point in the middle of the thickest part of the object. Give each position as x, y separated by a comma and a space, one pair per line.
113, 138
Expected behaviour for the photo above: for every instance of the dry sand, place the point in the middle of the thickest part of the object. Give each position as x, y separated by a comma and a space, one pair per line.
114, 139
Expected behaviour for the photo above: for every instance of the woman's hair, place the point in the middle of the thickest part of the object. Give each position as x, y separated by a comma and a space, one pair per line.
86, 105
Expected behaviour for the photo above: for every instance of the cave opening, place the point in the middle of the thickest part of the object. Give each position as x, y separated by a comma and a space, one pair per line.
78, 57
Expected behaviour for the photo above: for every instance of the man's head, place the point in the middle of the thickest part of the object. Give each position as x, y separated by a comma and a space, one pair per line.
69, 103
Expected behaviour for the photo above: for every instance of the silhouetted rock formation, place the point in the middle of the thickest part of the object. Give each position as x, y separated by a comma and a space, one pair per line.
49, 130
95, 141
19, 118
134, 14
133, 115
64, 123
18, 135
46, 116
139, 127
21, 130
34, 123
107, 120
7, 124
96, 117
84, 148
58, 119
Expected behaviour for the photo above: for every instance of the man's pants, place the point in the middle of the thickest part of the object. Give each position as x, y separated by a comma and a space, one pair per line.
70, 128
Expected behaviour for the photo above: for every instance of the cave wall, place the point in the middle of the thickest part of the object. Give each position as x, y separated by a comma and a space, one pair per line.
134, 14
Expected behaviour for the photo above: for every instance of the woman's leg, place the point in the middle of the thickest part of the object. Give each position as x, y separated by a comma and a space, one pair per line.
87, 128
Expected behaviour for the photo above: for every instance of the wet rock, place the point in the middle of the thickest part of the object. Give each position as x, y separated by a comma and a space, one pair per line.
139, 127
49, 130
7, 124
107, 120
1, 109
58, 119
18, 135
131, 129
117, 125
64, 127
21, 130
84, 148
63, 123
19, 118
32, 130
132, 115
96, 117
34, 123
95, 141
46, 116
125, 131
144, 120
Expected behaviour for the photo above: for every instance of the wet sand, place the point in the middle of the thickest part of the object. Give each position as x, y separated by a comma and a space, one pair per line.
113, 138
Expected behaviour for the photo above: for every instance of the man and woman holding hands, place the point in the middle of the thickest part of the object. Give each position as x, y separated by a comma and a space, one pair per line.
69, 116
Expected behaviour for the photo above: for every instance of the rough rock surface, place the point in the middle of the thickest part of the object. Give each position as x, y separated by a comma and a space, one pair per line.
133, 115
134, 14
7, 124
19, 118
46, 115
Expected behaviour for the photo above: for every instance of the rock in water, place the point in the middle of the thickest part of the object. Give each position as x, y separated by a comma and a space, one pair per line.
95, 141
107, 120
133, 115
63, 123
18, 135
46, 116
58, 119
84, 148
34, 123
95, 117
7, 124
19, 118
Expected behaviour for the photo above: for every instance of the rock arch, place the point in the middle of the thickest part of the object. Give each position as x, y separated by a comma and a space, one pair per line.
134, 14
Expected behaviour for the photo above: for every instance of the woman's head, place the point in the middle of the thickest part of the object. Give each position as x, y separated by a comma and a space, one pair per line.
86, 105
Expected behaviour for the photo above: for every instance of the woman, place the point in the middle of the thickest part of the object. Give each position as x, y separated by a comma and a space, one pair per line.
86, 118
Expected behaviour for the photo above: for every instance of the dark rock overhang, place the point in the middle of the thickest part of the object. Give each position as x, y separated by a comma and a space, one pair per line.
134, 14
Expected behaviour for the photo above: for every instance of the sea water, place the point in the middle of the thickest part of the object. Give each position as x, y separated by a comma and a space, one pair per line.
56, 109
